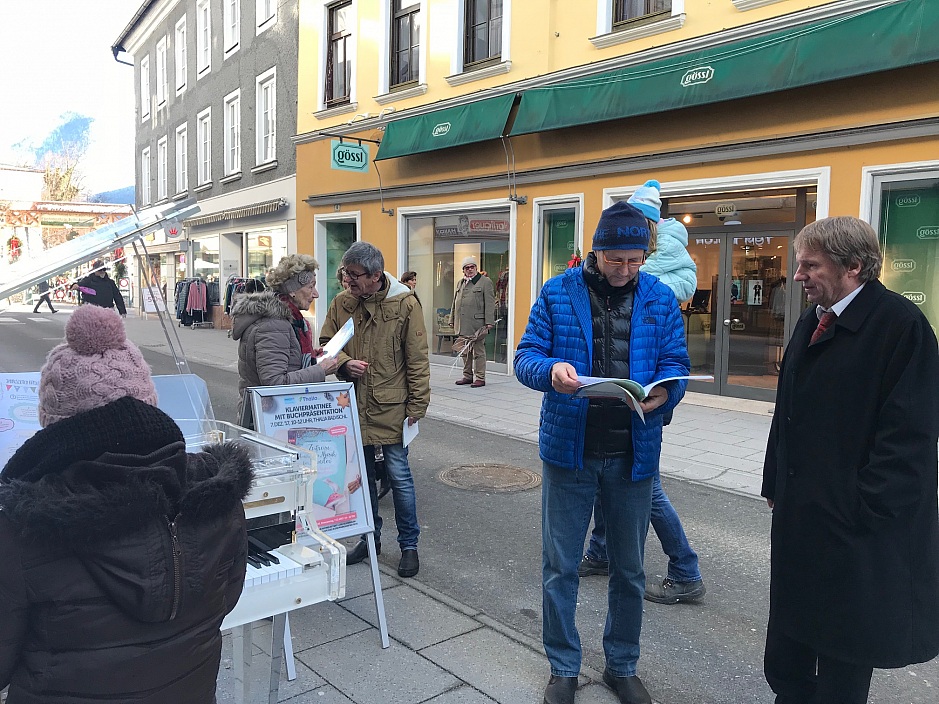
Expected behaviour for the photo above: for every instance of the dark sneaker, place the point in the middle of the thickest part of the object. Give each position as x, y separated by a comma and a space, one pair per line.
409, 564
589, 566
669, 592
360, 552
629, 690
560, 690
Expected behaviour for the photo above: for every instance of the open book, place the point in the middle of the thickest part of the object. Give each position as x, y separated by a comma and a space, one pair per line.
632, 392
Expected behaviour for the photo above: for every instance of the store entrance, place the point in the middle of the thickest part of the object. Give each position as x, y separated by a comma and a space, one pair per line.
736, 323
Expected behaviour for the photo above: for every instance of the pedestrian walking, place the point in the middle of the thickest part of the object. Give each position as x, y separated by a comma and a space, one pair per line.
605, 318
670, 262
275, 342
850, 475
43, 297
121, 553
474, 306
387, 360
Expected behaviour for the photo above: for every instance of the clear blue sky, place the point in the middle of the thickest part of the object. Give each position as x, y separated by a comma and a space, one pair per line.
56, 58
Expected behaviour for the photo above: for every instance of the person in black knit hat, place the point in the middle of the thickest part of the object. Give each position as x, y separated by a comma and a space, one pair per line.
121, 553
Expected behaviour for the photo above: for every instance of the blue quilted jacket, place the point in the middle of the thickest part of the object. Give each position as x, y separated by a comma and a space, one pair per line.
560, 329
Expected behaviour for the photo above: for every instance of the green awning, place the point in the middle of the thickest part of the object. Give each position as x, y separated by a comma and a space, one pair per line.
895, 35
451, 127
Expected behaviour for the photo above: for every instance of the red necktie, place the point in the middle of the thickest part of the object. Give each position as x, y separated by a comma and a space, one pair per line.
824, 323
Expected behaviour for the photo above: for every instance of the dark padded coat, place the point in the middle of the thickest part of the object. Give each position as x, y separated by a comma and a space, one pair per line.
269, 352
106, 293
851, 467
100, 603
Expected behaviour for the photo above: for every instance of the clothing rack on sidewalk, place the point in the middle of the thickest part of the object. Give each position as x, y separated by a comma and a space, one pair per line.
241, 284
192, 303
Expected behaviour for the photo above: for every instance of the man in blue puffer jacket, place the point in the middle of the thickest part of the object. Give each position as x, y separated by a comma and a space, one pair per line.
607, 319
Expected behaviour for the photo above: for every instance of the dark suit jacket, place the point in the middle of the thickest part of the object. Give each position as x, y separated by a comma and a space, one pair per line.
851, 465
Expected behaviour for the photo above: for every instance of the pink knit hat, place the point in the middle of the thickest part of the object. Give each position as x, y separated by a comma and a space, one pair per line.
95, 365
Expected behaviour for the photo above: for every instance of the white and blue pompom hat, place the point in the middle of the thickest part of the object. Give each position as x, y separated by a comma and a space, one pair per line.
648, 200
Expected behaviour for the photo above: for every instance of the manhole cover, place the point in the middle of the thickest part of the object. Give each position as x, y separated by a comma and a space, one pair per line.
490, 477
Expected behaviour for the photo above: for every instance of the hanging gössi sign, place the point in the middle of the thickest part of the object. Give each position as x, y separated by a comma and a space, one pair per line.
346, 156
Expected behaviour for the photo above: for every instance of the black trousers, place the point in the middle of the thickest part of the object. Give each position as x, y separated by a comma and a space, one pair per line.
800, 675
43, 297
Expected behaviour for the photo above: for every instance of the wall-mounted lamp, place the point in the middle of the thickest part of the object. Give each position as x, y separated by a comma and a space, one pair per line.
362, 115
687, 219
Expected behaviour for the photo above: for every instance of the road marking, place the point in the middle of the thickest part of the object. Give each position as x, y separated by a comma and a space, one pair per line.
40, 320
9, 320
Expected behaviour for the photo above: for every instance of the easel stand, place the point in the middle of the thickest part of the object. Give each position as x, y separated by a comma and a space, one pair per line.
376, 585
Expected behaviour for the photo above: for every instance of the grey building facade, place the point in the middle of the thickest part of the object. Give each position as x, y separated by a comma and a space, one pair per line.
215, 85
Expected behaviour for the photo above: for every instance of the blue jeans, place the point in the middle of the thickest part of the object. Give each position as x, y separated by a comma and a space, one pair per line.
567, 498
402, 493
682, 560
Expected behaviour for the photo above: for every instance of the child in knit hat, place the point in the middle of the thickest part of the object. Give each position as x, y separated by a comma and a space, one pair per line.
121, 552
668, 255
670, 262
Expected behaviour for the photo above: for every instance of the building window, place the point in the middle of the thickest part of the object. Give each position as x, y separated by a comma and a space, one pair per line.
483, 31
145, 176
182, 159
145, 88
338, 59
267, 116
405, 41
231, 10
203, 37
628, 10
233, 133
181, 56
204, 137
161, 169
161, 72
266, 14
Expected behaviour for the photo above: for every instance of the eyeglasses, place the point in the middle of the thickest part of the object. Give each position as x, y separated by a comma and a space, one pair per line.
470, 266
633, 261
349, 275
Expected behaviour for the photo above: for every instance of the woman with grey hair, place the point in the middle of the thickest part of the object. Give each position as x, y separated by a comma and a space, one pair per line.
275, 343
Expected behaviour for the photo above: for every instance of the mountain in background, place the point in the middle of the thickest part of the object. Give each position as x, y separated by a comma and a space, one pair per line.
119, 196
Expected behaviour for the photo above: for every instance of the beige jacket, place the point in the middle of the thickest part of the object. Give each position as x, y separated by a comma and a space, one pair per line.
390, 336
474, 305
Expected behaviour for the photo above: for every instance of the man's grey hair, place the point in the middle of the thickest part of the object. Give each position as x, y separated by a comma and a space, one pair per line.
365, 255
846, 241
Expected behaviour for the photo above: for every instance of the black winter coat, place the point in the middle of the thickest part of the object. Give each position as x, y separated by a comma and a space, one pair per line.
852, 468
106, 293
120, 556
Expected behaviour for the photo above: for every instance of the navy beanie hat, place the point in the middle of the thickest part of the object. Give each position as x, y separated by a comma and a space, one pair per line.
621, 226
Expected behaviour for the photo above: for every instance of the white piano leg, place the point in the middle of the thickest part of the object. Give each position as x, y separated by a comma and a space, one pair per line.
376, 584
241, 657
277, 656
288, 652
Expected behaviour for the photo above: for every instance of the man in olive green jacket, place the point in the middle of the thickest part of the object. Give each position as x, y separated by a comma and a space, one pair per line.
387, 360
474, 306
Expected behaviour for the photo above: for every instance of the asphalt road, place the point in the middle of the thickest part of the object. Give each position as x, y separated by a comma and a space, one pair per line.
483, 548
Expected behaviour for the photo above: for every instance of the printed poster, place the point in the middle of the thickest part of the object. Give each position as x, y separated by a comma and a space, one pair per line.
755, 292
19, 411
322, 418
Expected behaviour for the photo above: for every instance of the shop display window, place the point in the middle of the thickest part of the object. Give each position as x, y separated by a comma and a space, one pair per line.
265, 249
437, 246
205, 258
907, 220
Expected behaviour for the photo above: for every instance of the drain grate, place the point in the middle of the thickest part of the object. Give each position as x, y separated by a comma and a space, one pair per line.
501, 478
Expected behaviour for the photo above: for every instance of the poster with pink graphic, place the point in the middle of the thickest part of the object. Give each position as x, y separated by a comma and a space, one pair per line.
19, 411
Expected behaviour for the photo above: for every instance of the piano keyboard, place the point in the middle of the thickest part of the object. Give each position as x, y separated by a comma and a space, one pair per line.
278, 566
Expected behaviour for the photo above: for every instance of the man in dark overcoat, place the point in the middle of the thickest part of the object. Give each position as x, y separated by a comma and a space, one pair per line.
850, 474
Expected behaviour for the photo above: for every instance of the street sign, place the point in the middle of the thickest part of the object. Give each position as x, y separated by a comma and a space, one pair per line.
346, 156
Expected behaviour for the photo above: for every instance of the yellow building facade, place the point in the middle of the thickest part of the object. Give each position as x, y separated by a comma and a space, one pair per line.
501, 129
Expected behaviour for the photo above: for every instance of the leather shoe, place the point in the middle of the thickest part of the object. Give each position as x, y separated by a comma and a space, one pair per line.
629, 690
463, 382
409, 564
360, 552
476, 384
560, 690
588, 566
